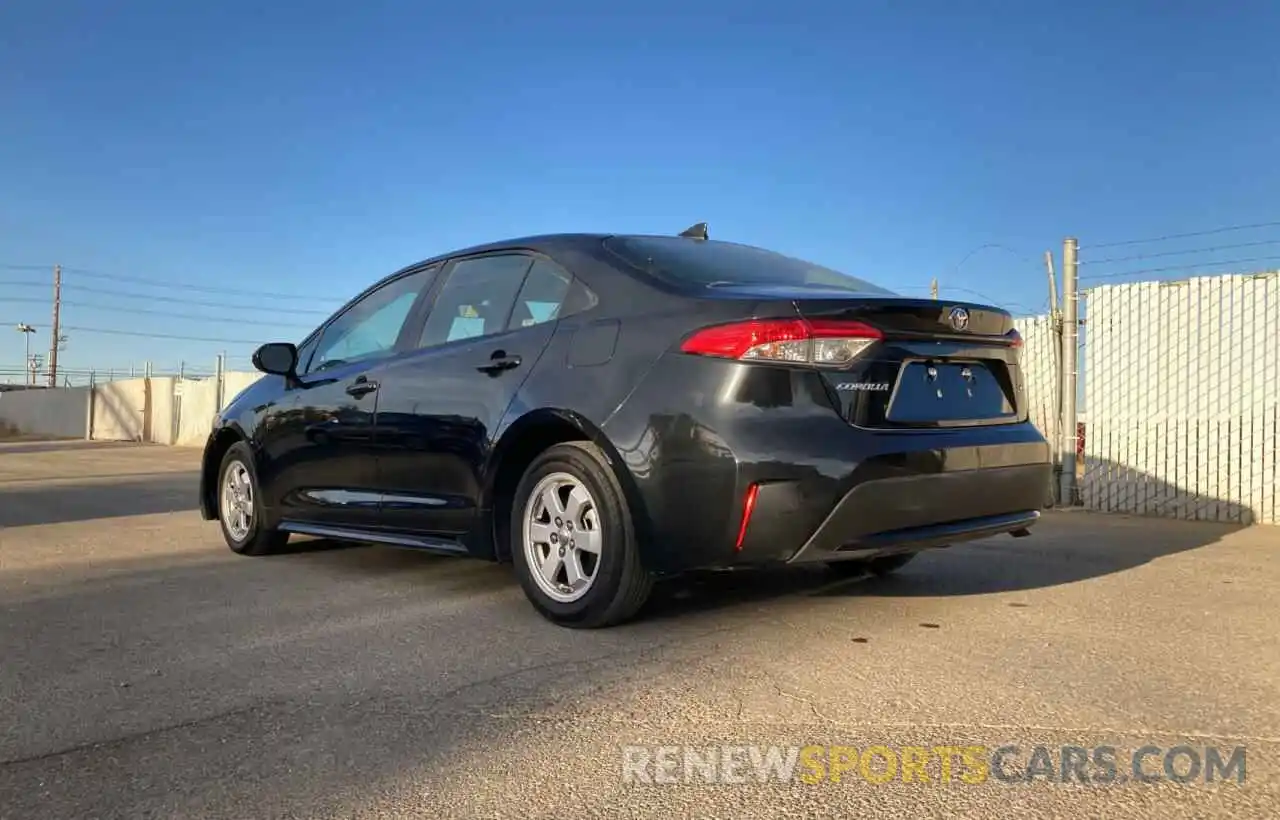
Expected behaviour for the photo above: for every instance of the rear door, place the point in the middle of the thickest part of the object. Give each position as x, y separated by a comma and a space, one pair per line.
438, 407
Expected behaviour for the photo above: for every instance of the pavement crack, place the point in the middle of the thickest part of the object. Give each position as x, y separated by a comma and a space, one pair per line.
132, 736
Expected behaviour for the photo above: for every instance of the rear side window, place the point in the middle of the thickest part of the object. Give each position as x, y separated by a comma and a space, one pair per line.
542, 296
476, 299
693, 263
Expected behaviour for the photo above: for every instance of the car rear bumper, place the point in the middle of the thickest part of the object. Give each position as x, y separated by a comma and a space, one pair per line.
919, 512
882, 515
822, 488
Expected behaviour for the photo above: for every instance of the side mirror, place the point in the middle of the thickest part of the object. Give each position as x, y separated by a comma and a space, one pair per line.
277, 358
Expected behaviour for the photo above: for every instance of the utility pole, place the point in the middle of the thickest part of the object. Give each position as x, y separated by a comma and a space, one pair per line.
220, 373
1053, 284
57, 330
26, 330
933, 288
1070, 329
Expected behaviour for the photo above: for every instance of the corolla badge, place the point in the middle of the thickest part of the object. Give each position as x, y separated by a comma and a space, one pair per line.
959, 318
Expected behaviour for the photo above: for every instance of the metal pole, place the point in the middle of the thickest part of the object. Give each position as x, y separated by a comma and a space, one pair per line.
26, 355
1053, 283
57, 327
1070, 328
220, 373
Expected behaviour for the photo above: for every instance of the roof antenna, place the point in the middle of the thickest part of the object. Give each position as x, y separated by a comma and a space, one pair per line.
698, 231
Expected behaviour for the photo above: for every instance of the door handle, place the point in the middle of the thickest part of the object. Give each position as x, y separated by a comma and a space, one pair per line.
499, 362
361, 387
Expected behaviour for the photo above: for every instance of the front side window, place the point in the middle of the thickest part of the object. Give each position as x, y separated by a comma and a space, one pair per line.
369, 328
476, 299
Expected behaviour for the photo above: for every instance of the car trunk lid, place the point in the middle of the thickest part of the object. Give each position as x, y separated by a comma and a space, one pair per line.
940, 364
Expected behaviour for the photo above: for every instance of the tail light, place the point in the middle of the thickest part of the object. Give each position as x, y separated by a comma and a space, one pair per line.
823, 342
1013, 338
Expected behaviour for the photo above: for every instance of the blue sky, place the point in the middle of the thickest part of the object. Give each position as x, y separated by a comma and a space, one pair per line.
238, 148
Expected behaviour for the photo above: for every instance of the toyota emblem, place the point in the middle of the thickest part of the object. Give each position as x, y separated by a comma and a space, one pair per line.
959, 318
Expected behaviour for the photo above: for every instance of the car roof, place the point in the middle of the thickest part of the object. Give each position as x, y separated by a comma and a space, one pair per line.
539, 242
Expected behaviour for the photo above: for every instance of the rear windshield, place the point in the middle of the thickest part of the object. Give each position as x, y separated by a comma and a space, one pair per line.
705, 263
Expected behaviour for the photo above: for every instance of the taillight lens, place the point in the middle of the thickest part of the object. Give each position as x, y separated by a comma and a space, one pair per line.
1013, 338
823, 342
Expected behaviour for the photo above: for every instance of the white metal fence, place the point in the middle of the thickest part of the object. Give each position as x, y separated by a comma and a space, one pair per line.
1181, 396
1182, 393
1040, 373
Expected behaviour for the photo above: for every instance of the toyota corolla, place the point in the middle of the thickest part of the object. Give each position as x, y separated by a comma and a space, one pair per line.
605, 410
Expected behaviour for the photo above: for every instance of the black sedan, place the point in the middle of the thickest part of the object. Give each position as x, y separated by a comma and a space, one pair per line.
605, 410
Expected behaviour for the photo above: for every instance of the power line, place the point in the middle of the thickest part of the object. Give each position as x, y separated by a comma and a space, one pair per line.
160, 283
1214, 249
140, 334
1183, 267
1188, 235
184, 286
195, 303
145, 312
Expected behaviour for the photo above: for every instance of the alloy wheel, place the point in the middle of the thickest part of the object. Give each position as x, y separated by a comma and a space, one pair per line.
237, 501
562, 538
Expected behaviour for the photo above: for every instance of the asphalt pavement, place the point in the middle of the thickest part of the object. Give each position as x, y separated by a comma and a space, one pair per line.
146, 671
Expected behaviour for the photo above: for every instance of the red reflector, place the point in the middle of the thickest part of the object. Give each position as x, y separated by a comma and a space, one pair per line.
732, 341
748, 507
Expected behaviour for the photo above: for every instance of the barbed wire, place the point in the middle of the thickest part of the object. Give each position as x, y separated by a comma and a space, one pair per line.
1186, 235
1183, 267
1186, 252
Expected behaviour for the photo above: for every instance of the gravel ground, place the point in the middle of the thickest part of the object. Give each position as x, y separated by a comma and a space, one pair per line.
145, 671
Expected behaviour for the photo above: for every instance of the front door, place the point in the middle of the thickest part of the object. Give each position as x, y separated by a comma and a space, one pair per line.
438, 408
321, 457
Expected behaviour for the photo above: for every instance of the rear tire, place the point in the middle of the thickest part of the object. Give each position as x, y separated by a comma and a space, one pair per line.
574, 544
240, 512
879, 567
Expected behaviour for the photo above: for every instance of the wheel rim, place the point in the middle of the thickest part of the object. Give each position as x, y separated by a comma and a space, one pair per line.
237, 501
562, 537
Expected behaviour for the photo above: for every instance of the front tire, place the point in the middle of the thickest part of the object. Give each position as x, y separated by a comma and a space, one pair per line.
240, 512
575, 549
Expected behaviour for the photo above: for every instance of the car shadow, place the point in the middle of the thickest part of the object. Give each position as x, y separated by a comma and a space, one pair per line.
1065, 547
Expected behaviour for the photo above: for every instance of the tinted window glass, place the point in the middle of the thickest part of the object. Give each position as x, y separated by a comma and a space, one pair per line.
369, 328
476, 299
542, 297
305, 351
701, 264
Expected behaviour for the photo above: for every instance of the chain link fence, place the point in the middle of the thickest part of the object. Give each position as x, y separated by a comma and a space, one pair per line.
1180, 404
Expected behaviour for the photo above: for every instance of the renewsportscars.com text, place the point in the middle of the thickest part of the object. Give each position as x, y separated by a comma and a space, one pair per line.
968, 765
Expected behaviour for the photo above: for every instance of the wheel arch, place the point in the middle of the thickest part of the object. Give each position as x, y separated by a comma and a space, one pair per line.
520, 444
220, 441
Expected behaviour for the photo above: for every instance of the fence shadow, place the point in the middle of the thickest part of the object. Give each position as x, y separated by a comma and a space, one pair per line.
90, 500
50, 445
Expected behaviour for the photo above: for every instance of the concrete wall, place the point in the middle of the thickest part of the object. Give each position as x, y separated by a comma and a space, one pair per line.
236, 380
120, 411
159, 410
196, 408
61, 413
